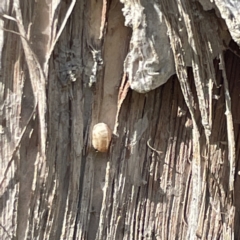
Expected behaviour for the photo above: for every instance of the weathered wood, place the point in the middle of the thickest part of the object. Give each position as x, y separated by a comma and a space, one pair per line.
169, 172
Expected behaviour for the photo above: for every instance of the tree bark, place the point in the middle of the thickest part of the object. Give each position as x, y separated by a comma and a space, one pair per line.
163, 75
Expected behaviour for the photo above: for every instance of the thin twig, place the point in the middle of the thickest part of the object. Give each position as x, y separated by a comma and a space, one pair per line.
155, 150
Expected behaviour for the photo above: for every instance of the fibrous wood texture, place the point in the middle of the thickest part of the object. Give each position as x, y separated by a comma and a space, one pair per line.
163, 75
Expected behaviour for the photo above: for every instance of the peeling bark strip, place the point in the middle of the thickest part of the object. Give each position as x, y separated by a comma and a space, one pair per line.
37, 79
176, 43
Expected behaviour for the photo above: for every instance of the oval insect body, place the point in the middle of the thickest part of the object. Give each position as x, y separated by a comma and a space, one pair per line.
101, 137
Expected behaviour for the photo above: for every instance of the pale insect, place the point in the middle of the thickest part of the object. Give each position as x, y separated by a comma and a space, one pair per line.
101, 137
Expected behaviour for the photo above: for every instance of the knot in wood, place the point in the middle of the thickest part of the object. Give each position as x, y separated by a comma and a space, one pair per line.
101, 137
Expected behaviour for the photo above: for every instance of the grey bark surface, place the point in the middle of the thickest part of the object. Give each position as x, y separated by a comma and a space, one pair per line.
163, 75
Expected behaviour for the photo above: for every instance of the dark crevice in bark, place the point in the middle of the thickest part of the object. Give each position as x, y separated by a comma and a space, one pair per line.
81, 182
